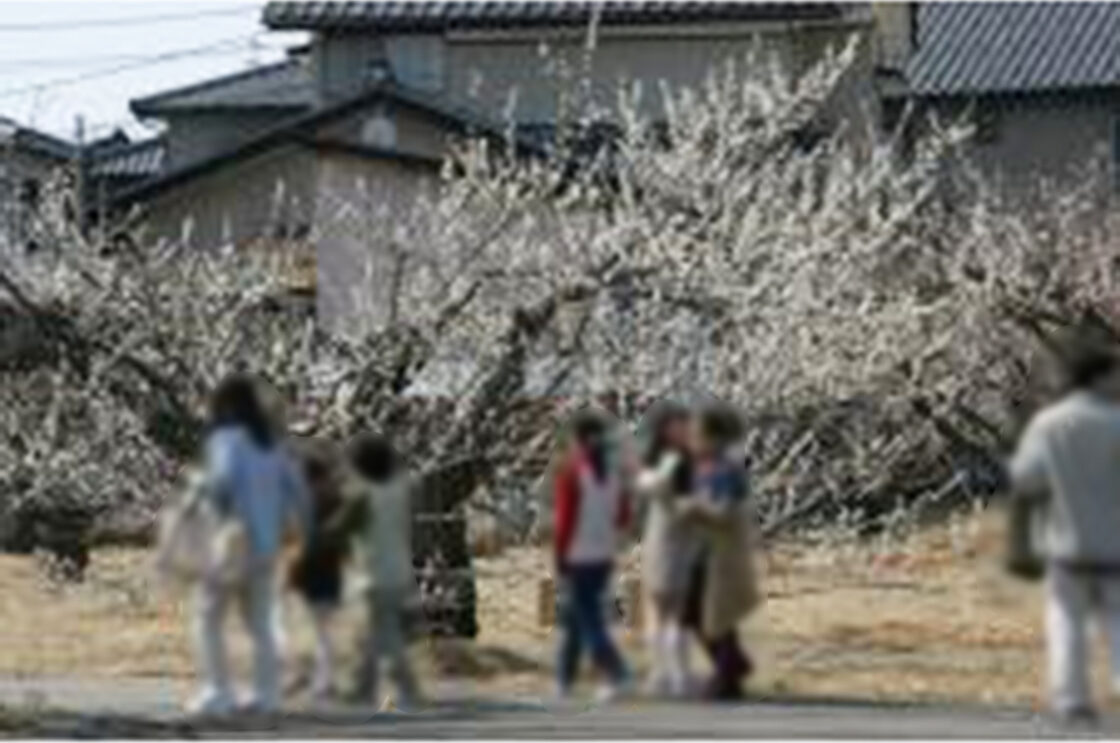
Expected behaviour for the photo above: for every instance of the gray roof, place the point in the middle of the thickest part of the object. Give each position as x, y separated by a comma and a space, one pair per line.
433, 15
133, 160
967, 48
25, 138
285, 85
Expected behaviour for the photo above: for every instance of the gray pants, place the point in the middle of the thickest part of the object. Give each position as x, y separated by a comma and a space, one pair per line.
1074, 598
386, 641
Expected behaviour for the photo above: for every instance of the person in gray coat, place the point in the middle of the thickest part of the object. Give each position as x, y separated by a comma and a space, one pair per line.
1068, 463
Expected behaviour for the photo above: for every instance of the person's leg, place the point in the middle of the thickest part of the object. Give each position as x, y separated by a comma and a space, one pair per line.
1110, 621
322, 681
571, 642
1067, 616
216, 694
393, 646
369, 671
591, 585
258, 611
658, 644
680, 665
731, 665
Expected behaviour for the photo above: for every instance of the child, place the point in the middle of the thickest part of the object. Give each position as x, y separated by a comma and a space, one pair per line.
669, 548
591, 509
317, 574
380, 512
724, 588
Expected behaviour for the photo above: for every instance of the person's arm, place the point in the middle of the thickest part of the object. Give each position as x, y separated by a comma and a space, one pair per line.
656, 482
221, 469
1027, 468
297, 497
566, 504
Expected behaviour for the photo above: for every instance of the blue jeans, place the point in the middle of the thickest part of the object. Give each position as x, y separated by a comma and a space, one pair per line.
582, 614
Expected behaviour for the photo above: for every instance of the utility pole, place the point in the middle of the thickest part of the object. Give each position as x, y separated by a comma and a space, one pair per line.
82, 217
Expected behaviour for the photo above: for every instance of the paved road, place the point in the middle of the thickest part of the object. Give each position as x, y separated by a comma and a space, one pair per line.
149, 709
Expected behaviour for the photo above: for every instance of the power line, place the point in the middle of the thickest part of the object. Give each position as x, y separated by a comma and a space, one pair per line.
18, 62
129, 21
217, 47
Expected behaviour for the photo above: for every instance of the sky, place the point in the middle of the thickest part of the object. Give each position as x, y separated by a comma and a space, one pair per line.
61, 59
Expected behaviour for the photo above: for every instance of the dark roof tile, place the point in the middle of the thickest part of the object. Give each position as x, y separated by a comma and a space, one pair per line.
967, 48
286, 85
437, 15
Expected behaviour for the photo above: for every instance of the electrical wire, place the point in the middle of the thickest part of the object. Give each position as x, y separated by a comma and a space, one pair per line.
124, 21
227, 46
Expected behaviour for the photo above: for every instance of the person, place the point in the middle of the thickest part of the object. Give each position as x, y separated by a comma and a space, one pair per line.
591, 509
256, 487
1068, 463
669, 548
723, 589
379, 514
317, 573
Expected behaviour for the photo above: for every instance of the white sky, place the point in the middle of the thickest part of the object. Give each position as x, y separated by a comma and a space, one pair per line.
63, 58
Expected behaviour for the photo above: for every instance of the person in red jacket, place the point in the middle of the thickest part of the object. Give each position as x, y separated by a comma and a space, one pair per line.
592, 508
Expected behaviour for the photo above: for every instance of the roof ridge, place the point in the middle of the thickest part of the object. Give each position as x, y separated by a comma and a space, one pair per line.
151, 102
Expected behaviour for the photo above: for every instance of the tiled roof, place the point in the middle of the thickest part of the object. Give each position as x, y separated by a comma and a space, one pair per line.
13, 134
1014, 47
433, 15
286, 85
134, 160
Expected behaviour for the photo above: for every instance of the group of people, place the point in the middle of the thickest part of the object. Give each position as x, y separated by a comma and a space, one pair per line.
227, 536
349, 509
691, 486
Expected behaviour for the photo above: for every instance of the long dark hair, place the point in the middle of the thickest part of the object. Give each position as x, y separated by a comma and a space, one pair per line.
237, 402
661, 417
589, 429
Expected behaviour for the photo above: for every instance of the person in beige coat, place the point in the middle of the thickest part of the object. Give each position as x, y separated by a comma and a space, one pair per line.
724, 588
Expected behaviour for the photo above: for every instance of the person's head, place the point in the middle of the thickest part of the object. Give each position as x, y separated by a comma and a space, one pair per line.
589, 432
236, 402
668, 428
716, 427
1091, 367
373, 457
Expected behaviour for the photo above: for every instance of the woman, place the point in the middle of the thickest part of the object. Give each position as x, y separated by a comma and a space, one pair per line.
669, 548
591, 510
255, 486
724, 587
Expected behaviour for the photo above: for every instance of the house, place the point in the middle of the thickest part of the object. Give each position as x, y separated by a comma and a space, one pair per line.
1040, 82
27, 159
364, 114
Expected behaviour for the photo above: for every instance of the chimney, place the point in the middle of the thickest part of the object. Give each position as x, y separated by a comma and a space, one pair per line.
896, 33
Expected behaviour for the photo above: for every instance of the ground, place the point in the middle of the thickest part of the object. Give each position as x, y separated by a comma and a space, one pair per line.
926, 619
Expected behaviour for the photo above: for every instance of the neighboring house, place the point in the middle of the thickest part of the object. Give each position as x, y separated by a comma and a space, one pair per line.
1039, 81
365, 113
28, 158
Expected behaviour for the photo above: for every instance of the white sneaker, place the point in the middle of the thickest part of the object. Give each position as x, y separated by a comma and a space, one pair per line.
211, 704
613, 692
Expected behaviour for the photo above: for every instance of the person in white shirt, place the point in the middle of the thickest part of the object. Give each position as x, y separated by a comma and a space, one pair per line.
256, 487
1068, 463
379, 514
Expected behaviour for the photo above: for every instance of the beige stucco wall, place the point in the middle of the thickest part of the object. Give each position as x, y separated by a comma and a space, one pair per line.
361, 214
263, 196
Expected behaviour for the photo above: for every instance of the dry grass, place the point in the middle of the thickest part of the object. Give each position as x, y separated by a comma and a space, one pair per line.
931, 618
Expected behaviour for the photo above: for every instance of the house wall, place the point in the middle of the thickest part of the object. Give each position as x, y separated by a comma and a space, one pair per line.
361, 208
22, 174
1021, 144
391, 126
269, 195
192, 137
483, 69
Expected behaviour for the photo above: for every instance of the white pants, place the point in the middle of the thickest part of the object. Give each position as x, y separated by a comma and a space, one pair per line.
256, 600
1073, 598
